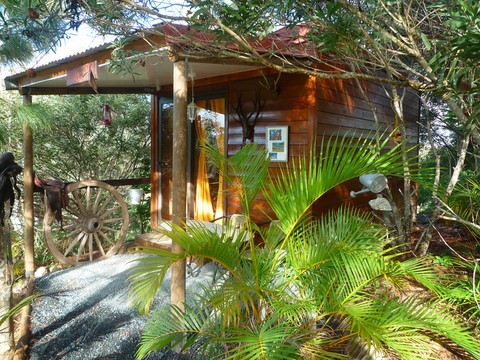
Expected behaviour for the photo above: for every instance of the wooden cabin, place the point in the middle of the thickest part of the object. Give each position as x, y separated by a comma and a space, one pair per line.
236, 103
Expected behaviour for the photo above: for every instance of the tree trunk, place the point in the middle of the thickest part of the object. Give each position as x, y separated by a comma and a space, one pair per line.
423, 243
400, 221
28, 195
6, 284
422, 247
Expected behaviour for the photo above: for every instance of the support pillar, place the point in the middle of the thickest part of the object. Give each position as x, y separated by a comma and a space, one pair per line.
179, 176
28, 194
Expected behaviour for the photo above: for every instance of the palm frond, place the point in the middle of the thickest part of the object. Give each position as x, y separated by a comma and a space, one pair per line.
171, 326
308, 178
224, 246
264, 341
147, 277
245, 171
198, 242
414, 316
420, 270
22, 303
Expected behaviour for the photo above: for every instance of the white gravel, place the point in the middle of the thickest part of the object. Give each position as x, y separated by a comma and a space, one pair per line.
85, 312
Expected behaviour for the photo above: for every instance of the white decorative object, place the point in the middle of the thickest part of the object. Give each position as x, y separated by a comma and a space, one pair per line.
371, 182
277, 142
381, 204
136, 196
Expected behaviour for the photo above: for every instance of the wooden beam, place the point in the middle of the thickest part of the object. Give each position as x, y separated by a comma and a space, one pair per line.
179, 172
127, 182
28, 195
84, 90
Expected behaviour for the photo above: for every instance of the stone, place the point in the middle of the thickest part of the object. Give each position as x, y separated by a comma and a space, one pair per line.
41, 271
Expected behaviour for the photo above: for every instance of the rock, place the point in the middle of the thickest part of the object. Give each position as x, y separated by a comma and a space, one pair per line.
41, 271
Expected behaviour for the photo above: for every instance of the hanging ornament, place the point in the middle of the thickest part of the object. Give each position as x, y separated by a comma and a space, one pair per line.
192, 108
106, 115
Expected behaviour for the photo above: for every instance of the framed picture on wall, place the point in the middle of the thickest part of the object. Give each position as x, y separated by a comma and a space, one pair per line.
277, 142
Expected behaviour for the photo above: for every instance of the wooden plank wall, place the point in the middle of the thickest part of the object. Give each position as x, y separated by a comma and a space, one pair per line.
342, 109
312, 108
291, 105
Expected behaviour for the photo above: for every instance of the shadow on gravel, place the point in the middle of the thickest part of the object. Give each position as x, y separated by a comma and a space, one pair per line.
85, 311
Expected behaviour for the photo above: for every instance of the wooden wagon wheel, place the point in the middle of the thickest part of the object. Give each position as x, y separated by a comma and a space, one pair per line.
94, 224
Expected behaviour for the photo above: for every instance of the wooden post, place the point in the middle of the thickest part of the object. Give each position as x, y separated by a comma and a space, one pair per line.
28, 194
179, 173
6, 284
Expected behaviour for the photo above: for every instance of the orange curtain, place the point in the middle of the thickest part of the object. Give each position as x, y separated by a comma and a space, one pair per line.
218, 106
203, 200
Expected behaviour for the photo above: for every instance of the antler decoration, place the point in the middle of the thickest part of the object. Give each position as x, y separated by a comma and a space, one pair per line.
249, 120
273, 88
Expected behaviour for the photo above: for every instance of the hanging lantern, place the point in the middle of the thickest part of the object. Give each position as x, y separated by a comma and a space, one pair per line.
192, 111
192, 107
106, 115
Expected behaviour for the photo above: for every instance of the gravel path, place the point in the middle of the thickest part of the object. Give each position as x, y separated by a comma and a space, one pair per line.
86, 314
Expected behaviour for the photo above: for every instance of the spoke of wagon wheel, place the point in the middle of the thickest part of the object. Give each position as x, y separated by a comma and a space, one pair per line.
78, 201
99, 243
104, 205
81, 248
106, 221
108, 228
102, 234
71, 226
73, 243
90, 246
109, 212
73, 211
97, 200
87, 199
71, 234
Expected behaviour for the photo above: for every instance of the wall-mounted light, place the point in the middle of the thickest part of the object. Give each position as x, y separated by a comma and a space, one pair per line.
192, 107
374, 183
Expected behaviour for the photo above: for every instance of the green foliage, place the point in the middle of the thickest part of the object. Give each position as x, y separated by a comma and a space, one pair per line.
464, 291
139, 215
71, 143
43, 256
465, 202
30, 26
77, 146
465, 20
316, 288
124, 61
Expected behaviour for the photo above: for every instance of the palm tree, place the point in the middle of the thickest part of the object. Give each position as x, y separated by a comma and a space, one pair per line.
317, 288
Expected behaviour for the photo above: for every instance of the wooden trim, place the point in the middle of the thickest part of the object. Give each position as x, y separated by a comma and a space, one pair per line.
217, 80
154, 174
84, 90
312, 122
127, 182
